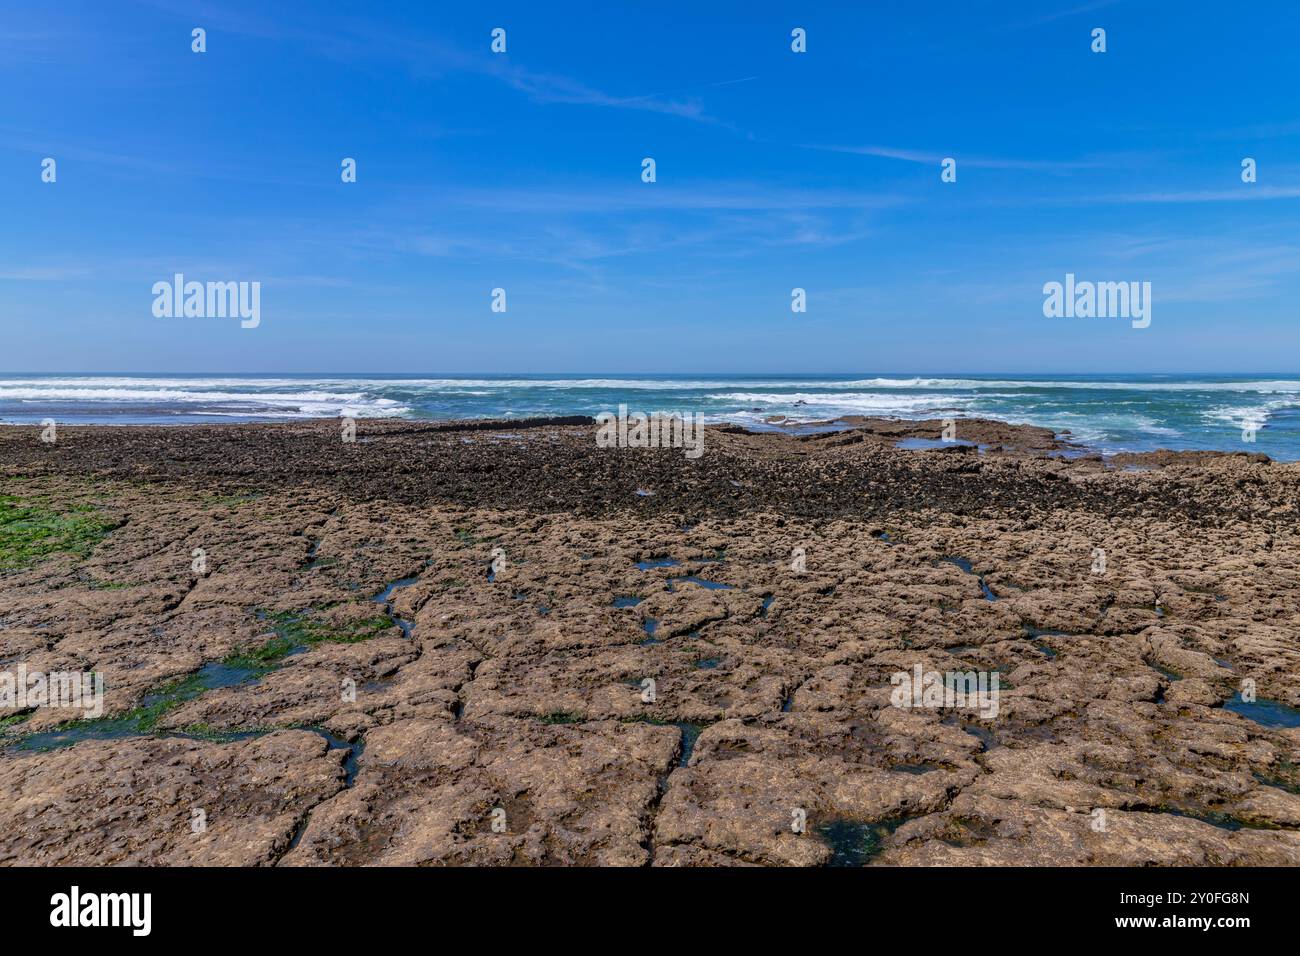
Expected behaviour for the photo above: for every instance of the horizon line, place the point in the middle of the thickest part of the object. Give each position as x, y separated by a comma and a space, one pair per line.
946, 373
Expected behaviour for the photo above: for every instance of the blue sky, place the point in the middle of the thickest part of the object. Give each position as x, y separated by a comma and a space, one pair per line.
775, 170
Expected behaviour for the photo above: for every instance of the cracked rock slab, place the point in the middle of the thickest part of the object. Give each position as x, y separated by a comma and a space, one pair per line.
123, 802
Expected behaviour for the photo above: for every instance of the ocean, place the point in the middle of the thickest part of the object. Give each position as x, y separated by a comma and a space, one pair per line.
1109, 413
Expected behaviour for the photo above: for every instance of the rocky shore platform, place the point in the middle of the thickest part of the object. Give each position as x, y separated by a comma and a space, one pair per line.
498, 644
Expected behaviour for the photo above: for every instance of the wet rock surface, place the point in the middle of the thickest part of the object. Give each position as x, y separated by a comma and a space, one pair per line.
434, 647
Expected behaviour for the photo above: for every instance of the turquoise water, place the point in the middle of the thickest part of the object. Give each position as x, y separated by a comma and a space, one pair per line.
1107, 412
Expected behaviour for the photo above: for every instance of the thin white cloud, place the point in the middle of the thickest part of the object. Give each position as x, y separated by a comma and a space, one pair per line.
550, 88
1059, 15
1247, 192
42, 274
662, 197
978, 162
355, 39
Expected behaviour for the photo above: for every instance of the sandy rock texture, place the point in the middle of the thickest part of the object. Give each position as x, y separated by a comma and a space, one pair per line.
454, 645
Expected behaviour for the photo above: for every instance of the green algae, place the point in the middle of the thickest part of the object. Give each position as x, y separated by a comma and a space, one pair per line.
113, 585
139, 721
13, 720
295, 631
31, 531
232, 500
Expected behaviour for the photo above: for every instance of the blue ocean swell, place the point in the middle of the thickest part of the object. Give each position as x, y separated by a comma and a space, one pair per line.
1108, 412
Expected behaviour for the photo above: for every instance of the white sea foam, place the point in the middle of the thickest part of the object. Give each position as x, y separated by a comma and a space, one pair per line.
1241, 415
863, 401
1153, 413
1248, 385
172, 395
203, 397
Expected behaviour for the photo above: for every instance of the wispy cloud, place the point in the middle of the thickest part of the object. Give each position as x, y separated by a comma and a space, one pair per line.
1053, 16
662, 197
978, 162
42, 274
57, 147
29, 47
357, 39
1243, 193
551, 88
